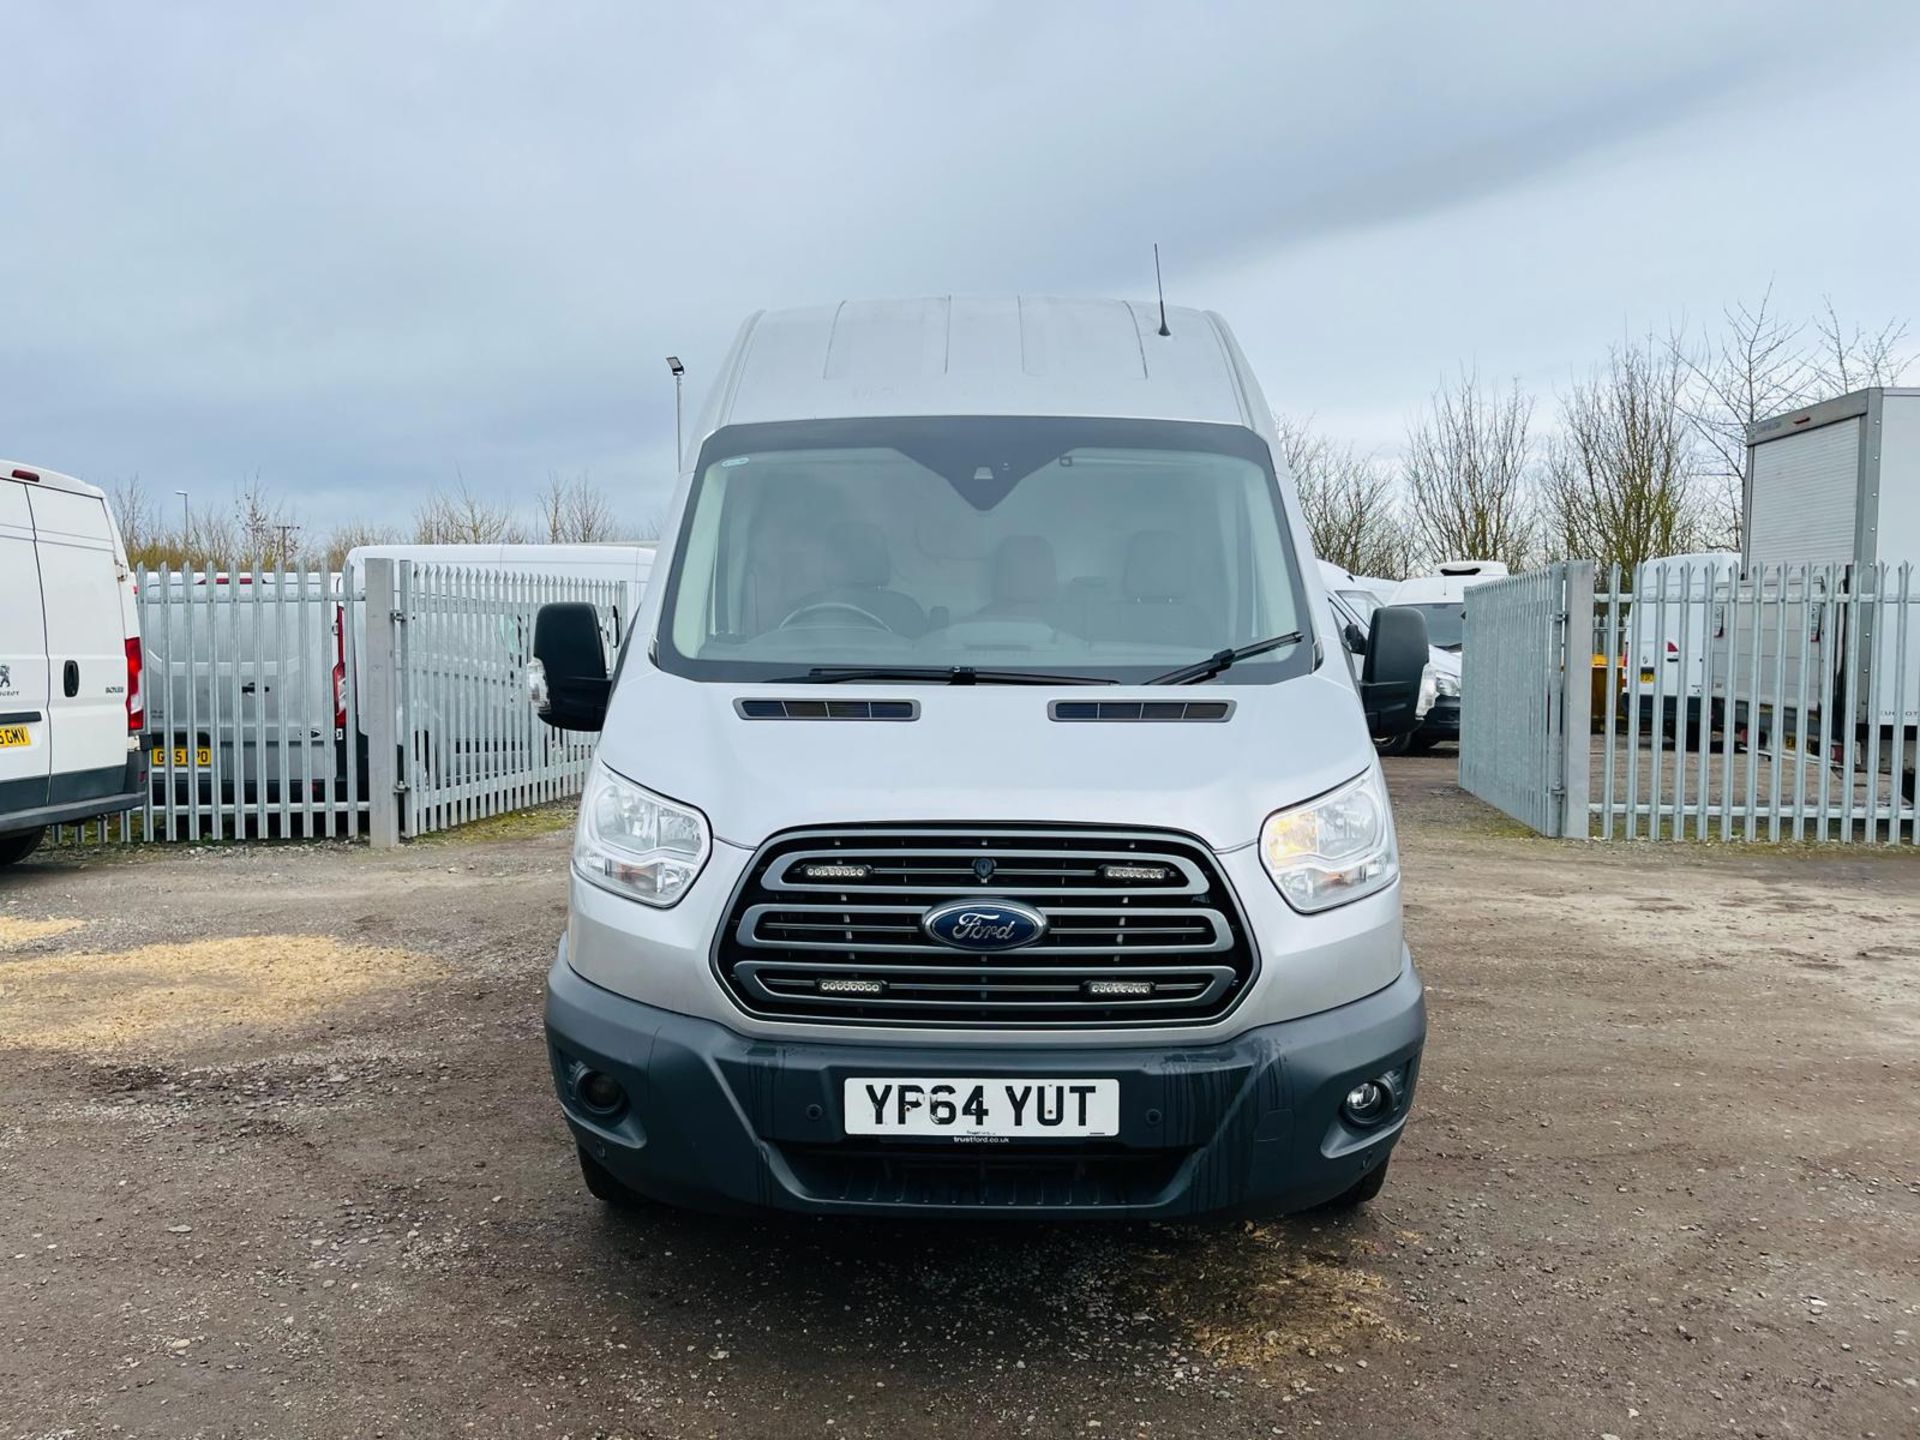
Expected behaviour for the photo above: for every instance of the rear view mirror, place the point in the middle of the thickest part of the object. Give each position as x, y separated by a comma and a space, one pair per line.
567, 677
1390, 680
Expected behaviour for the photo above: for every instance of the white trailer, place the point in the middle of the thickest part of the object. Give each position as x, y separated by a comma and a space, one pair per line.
1832, 527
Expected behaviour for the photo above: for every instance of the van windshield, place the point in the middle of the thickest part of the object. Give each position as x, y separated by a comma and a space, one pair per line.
1110, 549
1446, 623
1362, 602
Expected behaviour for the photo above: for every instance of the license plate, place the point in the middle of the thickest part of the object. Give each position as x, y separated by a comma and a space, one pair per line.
988, 1109
1646, 677
11, 735
203, 756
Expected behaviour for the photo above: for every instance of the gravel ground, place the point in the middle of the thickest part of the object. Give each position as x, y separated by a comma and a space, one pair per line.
278, 1157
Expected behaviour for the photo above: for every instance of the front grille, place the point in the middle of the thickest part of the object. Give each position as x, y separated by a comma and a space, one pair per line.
826, 926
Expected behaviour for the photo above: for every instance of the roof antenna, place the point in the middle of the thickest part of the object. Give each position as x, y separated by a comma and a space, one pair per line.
1161, 288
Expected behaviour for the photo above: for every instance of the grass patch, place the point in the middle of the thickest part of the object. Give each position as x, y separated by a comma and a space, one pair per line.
546, 819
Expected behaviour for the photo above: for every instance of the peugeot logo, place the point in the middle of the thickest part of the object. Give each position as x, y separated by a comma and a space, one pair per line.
984, 924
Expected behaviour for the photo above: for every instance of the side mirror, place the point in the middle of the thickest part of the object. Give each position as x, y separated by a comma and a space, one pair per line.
1390, 681
567, 677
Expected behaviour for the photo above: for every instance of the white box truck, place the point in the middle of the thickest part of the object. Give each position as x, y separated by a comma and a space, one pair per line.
1832, 514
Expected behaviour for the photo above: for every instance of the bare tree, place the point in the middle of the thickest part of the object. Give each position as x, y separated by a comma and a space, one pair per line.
1468, 471
1349, 502
133, 510
349, 536
1760, 364
1856, 359
459, 517
211, 542
575, 510
1756, 366
265, 532
1621, 478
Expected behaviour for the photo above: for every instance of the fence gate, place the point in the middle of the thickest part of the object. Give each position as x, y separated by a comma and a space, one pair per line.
453, 737
1523, 690
391, 701
1707, 701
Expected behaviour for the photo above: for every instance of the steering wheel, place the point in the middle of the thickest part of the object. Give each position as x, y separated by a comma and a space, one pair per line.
822, 605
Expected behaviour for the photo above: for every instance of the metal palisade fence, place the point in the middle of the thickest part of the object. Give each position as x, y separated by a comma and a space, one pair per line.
467, 742
1518, 660
1715, 701
251, 702
388, 700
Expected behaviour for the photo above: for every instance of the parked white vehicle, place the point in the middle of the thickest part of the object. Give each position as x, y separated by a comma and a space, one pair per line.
245, 685
1442, 597
1670, 629
70, 658
1835, 488
1355, 598
984, 819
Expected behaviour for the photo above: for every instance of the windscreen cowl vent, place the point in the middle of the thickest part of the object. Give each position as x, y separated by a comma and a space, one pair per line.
828, 709
1210, 711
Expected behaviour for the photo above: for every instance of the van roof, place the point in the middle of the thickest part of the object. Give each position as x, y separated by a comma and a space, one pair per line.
18, 470
953, 355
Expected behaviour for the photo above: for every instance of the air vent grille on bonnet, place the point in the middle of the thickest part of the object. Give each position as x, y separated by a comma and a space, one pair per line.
828, 709
1202, 710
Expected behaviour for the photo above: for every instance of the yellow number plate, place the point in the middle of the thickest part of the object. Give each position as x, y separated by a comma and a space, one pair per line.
1646, 677
11, 735
202, 756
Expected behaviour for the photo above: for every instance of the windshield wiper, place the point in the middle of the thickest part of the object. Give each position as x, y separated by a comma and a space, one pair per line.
937, 674
1211, 666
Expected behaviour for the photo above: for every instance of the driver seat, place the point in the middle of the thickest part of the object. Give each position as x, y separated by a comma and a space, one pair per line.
858, 553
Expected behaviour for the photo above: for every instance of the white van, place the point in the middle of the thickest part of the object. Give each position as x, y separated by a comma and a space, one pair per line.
1442, 597
70, 660
1678, 615
244, 693
985, 818
1354, 599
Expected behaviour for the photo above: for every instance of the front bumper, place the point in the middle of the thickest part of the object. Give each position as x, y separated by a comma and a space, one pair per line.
721, 1121
1442, 722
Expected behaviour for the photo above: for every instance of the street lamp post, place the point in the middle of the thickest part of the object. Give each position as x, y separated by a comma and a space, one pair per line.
679, 380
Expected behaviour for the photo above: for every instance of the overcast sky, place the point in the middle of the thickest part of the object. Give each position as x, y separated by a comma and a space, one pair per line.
360, 249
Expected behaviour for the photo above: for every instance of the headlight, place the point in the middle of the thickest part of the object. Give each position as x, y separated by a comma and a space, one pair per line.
1447, 684
635, 843
1333, 849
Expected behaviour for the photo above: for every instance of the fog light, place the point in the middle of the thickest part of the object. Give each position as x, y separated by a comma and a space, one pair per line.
1119, 987
1366, 1102
599, 1092
1372, 1101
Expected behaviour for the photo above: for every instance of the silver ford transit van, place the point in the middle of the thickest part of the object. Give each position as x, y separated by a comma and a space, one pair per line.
985, 817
